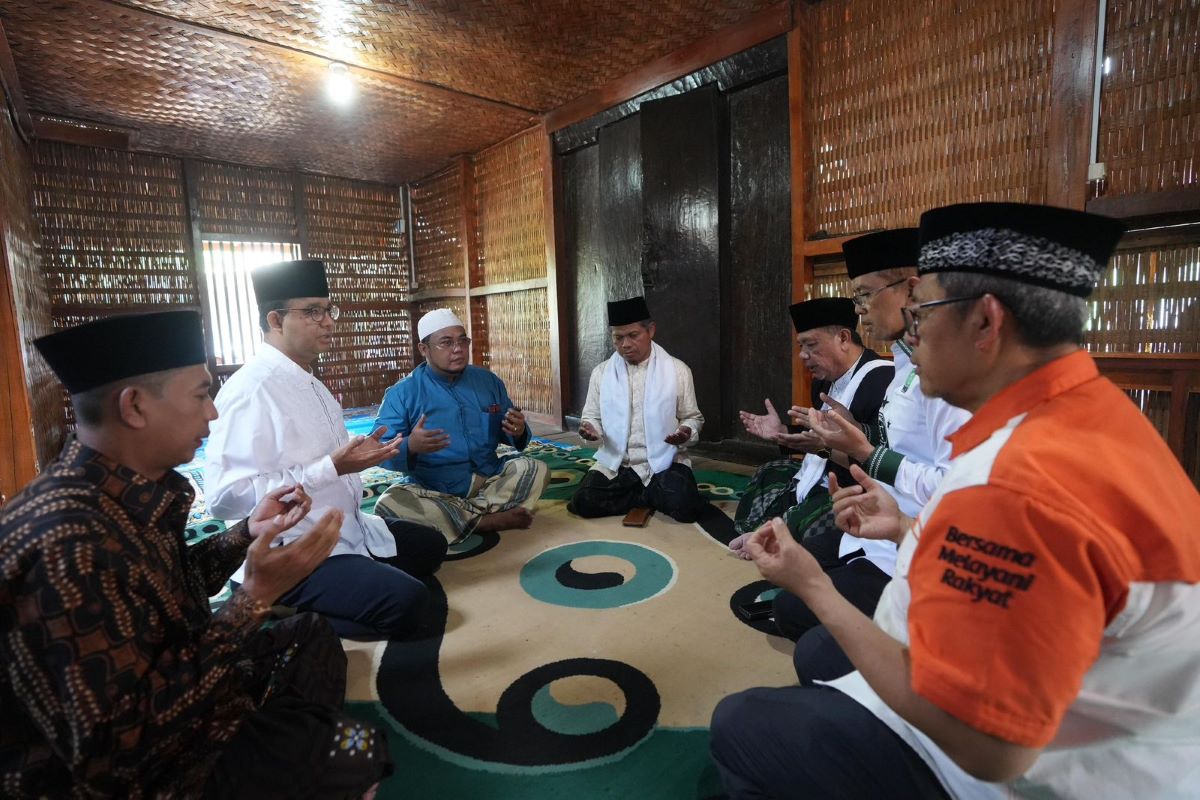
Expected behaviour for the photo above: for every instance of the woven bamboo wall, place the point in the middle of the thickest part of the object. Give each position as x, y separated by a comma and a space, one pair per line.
915, 105
517, 347
113, 229
510, 227
246, 201
511, 330
351, 227
24, 369
1148, 302
439, 238
1150, 98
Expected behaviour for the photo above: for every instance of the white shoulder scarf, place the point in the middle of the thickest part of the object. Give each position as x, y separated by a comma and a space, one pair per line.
658, 410
812, 468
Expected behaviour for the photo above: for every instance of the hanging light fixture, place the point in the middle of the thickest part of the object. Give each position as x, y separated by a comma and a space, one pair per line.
339, 86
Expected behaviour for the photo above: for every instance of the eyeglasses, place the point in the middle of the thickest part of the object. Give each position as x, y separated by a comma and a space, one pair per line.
315, 313
862, 299
463, 342
912, 320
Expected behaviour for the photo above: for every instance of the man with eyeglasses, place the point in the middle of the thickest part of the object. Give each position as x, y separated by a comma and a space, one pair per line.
844, 373
904, 448
1041, 637
280, 425
452, 416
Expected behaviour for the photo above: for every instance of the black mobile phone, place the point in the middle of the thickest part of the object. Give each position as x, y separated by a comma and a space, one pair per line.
760, 609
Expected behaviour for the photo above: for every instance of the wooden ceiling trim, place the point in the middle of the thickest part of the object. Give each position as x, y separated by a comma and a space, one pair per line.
12, 86
755, 29
89, 134
275, 48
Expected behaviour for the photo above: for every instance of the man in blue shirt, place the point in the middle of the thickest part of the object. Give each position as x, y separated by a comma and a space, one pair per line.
452, 416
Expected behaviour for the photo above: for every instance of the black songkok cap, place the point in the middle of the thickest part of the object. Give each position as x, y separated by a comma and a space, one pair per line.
822, 312
627, 312
107, 350
288, 279
1056, 248
882, 250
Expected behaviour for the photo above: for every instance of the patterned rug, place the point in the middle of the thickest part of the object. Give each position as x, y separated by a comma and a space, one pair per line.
577, 659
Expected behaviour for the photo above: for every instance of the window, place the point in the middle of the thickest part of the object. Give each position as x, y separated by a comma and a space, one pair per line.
231, 305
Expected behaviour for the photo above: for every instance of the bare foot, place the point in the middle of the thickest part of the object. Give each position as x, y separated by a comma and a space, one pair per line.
514, 518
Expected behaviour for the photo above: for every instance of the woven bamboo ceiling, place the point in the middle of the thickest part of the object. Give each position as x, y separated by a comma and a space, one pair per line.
243, 80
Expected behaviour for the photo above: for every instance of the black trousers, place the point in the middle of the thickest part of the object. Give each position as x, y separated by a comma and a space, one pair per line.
298, 743
672, 491
813, 742
859, 581
818, 657
374, 598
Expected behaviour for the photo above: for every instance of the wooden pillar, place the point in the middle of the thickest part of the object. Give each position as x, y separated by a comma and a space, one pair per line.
559, 369
470, 247
1072, 84
802, 262
18, 453
195, 254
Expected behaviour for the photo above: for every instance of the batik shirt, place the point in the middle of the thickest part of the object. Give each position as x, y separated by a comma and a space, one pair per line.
117, 678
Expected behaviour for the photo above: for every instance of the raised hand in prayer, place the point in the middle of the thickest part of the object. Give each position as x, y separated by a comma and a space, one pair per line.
427, 440
867, 510
588, 431
783, 561
799, 416
680, 436
764, 426
279, 510
271, 571
803, 442
513, 423
362, 452
836, 407
840, 433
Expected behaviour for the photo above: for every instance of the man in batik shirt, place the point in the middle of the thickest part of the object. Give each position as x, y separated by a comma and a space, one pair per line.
117, 678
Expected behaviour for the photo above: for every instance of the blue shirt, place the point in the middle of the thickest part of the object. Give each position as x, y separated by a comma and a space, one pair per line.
469, 407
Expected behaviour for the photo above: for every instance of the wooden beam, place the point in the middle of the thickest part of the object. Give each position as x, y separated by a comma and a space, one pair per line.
470, 247
773, 21
195, 256
825, 247
424, 87
1072, 82
88, 134
1182, 201
12, 87
798, 136
510, 286
555, 304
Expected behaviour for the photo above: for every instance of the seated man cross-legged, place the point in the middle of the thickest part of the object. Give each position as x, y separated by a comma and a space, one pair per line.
452, 416
641, 408
280, 425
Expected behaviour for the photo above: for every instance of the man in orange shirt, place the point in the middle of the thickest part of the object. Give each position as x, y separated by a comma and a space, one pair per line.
1041, 636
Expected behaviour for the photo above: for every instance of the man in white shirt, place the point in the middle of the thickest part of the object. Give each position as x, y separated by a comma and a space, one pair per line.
905, 447
278, 426
641, 408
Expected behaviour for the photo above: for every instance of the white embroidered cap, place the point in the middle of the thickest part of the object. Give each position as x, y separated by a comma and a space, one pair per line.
437, 319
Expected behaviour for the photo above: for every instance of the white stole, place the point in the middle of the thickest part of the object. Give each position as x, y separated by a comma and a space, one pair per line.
658, 410
812, 468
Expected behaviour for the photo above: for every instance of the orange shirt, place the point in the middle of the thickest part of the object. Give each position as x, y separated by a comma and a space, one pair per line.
1062, 512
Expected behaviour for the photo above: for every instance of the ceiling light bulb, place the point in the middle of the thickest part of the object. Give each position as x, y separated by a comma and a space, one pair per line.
339, 85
